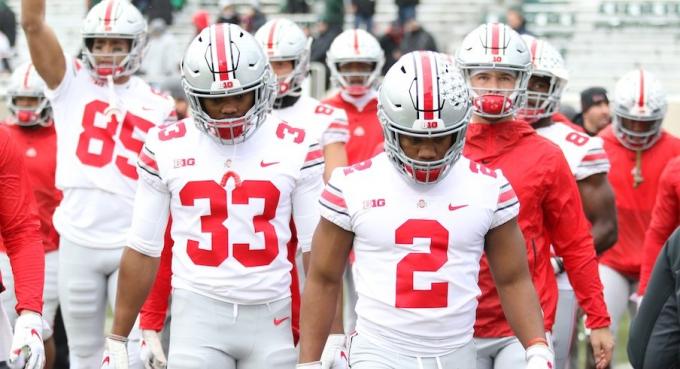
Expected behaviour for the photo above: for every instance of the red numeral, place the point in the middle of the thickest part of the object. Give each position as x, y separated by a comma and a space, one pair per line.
479, 168
213, 223
172, 131
577, 138
438, 295
323, 109
105, 136
358, 167
283, 129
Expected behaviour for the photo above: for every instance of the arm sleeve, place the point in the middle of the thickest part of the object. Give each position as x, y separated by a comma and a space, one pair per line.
155, 308
507, 206
20, 228
665, 218
568, 229
151, 209
337, 130
332, 203
307, 191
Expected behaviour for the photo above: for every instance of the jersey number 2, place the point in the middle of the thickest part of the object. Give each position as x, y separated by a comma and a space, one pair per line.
407, 296
218, 251
102, 141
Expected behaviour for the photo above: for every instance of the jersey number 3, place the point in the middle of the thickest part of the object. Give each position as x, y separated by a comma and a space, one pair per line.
96, 144
407, 296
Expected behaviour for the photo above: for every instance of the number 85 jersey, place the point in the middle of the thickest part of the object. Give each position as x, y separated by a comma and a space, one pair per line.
417, 249
231, 207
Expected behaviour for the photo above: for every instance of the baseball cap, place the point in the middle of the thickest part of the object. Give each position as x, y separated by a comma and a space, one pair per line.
593, 96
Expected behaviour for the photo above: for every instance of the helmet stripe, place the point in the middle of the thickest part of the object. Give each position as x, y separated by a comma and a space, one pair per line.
534, 49
495, 38
107, 15
424, 73
641, 99
221, 51
270, 39
356, 42
28, 73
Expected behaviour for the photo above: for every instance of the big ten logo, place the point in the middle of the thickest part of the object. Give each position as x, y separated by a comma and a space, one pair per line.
179, 163
374, 203
497, 59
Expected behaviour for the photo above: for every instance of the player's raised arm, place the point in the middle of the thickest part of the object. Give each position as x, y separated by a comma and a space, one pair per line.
46, 52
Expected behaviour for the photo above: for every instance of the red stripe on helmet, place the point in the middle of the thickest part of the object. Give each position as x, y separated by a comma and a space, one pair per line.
107, 15
28, 73
495, 38
222, 57
428, 104
641, 100
534, 47
270, 39
356, 42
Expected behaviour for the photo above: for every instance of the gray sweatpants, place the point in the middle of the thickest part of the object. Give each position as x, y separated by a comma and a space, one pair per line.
208, 333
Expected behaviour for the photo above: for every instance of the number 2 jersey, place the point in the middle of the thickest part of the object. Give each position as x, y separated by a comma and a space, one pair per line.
96, 152
417, 249
231, 207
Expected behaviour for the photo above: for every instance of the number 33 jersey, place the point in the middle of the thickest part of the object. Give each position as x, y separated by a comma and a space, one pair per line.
97, 152
417, 249
231, 207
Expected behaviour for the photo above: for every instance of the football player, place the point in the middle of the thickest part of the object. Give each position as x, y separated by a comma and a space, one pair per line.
496, 64
232, 177
418, 218
101, 115
30, 125
589, 165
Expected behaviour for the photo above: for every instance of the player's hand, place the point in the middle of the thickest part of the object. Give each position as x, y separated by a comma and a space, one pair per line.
311, 365
540, 356
115, 353
151, 352
334, 355
27, 351
602, 341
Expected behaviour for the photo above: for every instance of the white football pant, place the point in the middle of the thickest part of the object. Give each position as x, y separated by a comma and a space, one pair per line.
566, 321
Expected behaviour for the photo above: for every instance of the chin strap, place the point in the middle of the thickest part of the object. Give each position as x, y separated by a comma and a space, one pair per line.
637, 171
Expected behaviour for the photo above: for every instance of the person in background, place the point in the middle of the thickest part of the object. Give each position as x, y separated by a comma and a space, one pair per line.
515, 19
160, 60
389, 42
253, 18
228, 13
364, 10
595, 114
416, 38
406, 10
200, 20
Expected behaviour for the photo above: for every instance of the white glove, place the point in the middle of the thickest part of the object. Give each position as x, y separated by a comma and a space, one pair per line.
27, 351
115, 353
312, 365
151, 352
334, 355
540, 357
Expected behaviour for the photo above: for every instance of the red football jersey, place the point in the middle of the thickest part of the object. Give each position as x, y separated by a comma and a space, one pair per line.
20, 226
39, 146
365, 131
634, 204
550, 212
665, 218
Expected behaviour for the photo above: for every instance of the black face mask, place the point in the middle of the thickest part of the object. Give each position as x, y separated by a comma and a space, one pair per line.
285, 101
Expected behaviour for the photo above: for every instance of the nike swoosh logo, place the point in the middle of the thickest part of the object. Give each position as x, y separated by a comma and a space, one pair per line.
35, 333
277, 321
454, 208
343, 355
146, 108
264, 165
106, 360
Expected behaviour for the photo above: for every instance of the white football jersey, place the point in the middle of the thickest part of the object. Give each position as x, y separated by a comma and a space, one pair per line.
585, 154
417, 249
97, 152
323, 122
231, 207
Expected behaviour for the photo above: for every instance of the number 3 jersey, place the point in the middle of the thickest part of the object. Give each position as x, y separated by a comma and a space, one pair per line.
326, 124
97, 152
417, 249
231, 207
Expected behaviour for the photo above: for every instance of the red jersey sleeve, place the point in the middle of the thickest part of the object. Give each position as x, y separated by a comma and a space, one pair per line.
155, 308
20, 227
569, 232
665, 218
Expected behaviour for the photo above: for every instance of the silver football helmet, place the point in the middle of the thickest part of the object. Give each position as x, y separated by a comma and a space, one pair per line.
283, 40
639, 97
225, 60
547, 63
355, 45
117, 19
495, 46
423, 96
25, 82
